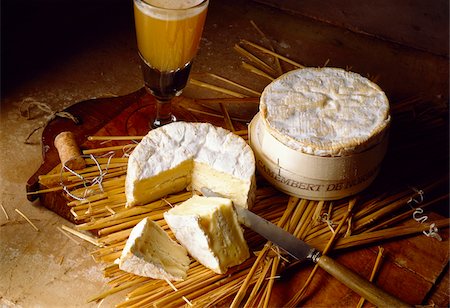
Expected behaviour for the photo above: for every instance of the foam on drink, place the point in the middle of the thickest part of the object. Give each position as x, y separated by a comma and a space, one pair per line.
173, 4
178, 9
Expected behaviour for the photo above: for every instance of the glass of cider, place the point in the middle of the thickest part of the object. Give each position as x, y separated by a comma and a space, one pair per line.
168, 35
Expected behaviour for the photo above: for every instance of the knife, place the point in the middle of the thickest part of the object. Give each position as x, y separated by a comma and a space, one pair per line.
302, 251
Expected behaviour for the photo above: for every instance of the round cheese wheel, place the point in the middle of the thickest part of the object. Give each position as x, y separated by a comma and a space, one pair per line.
325, 111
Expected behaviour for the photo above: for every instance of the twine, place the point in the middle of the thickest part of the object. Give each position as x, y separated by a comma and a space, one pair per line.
420, 193
329, 222
128, 148
418, 211
96, 180
25, 110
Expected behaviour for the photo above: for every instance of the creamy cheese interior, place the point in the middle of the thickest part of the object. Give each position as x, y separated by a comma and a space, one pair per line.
191, 155
167, 182
208, 228
150, 252
221, 183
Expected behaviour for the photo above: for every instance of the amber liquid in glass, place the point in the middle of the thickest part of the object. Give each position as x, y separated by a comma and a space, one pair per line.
168, 39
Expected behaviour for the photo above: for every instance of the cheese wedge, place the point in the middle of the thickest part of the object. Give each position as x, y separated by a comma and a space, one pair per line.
208, 228
150, 252
191, 155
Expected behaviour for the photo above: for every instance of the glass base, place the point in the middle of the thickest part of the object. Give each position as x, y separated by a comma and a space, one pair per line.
155, 123
177, 113
164, 114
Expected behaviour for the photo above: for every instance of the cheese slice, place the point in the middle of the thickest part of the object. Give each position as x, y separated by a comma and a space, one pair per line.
208, 228
191, 155
325, 111
150, 252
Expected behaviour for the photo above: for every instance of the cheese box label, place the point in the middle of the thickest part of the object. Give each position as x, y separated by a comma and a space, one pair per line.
296, 185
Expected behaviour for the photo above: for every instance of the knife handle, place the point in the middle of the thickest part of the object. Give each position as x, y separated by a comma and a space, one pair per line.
358, 284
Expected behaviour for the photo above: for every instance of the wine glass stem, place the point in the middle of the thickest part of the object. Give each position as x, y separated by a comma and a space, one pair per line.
163, 113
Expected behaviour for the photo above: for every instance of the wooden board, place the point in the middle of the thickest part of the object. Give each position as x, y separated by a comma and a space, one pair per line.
412, 269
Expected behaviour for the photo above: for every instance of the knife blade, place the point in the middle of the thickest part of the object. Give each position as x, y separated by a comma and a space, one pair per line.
283, 239
302, 251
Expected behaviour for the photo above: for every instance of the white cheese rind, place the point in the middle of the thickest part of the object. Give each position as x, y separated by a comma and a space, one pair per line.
325, 111
174, 156
150, 252
208, 228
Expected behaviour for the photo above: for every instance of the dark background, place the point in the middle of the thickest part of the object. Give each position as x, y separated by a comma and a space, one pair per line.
38, 34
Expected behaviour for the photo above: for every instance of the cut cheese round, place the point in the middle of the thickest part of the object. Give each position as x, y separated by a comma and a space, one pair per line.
191, 155
325, 111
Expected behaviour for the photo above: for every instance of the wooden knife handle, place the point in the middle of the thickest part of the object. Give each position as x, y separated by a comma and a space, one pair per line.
358, 284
